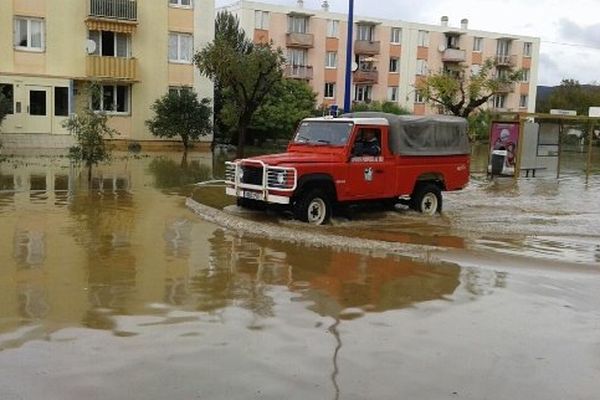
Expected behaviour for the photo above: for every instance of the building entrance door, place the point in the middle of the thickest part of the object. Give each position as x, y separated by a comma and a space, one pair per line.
39, 118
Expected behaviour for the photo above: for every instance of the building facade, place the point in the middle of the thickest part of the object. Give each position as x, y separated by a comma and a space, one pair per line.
134, 52
390, 56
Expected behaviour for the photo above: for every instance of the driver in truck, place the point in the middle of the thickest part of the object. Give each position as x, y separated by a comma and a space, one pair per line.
368, 145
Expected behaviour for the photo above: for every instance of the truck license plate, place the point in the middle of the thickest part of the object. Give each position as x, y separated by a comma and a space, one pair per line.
252, 195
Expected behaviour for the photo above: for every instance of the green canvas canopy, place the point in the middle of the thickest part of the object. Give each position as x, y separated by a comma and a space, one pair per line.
430, 135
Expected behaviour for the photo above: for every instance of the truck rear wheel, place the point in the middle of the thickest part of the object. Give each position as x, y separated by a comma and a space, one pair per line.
427, 199
314, 207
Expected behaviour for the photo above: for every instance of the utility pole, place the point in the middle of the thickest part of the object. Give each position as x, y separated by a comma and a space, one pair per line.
348, 86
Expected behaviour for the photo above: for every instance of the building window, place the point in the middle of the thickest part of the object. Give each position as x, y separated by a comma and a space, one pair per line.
499, 101
329, 90
366, 32
478, 44
475, 69
363, 93
8, 91
423, 39
396, 36
297, 57
180, 47
297, 24
419, 98
29, 34
61, 101
111, 44
37, 102
523, 101
394, 64
503, 47
422, 67
178, 89
333, 28
112, 98
261, 20
392, 93
525, 76
181, 3
331, 59
527, 46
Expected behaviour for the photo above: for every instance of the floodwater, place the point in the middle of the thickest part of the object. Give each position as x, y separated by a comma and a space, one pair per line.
119, 291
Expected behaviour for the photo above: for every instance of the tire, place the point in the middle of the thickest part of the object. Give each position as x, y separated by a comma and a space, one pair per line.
427, 199
250, 204
313, 206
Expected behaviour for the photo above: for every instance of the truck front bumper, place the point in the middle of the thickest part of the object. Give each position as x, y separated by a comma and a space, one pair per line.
263, 182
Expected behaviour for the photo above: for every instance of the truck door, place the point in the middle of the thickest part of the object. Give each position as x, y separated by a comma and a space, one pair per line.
367, 167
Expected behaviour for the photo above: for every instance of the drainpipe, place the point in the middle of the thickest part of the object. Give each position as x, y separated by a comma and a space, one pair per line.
348, 86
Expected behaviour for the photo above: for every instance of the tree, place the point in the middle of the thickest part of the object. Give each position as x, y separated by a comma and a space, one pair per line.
386, 107
181, 114
462, 92
90, 129
479, 124
245, 72
289, 102
571, 95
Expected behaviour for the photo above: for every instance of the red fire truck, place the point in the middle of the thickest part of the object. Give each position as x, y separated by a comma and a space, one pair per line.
358, 157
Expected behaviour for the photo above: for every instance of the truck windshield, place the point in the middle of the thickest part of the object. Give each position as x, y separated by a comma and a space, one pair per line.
323, 133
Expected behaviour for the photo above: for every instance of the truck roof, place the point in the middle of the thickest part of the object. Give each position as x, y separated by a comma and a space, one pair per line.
356, 121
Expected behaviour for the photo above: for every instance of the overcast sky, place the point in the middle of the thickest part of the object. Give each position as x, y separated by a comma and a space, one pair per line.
569, 30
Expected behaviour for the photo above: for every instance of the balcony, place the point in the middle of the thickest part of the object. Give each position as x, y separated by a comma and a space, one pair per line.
113, 68
366, 76
367, 47
303, 40
304, 72
122, 10
505, 87
454, 55
505, 60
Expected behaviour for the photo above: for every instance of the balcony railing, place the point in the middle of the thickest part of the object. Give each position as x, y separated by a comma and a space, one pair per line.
505, 87
454, 55
304, 72
304, 40
366, 76
367, 47
118, 68
125, 10
505, 60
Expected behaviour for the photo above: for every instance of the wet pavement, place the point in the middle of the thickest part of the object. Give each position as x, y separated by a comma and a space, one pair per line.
120, 291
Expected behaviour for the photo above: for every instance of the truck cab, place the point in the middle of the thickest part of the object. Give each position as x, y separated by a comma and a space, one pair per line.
357, 158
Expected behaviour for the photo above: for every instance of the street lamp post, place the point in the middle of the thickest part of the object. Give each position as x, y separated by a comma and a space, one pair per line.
348, 85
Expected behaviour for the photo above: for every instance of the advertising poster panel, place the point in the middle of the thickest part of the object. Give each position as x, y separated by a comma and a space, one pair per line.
504, 138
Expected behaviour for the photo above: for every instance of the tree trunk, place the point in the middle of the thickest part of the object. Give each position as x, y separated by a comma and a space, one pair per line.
243, 128
184, 163
89, 174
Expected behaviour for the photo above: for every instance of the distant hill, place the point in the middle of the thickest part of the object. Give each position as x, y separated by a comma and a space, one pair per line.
543, 92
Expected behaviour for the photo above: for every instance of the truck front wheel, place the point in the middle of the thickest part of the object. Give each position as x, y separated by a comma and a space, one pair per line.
427, 199
314, 207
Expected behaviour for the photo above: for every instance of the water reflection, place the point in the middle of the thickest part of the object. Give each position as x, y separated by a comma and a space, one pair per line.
29, 248
170, 174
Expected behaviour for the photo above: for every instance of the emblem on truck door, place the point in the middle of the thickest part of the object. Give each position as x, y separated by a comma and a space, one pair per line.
368, 174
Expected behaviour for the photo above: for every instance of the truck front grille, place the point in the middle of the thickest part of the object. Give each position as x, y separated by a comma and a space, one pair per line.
252, 175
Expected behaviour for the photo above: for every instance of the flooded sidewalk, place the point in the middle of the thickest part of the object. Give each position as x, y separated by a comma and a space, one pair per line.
120, 291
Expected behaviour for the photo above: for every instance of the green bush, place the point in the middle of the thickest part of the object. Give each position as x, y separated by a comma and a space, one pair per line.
181, 114
386, 106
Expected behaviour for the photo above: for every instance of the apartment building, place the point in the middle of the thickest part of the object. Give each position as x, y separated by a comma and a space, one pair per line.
50, 50
389, 56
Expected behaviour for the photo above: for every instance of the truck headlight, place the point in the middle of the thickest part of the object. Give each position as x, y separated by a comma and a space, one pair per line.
240, 173
281, 178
